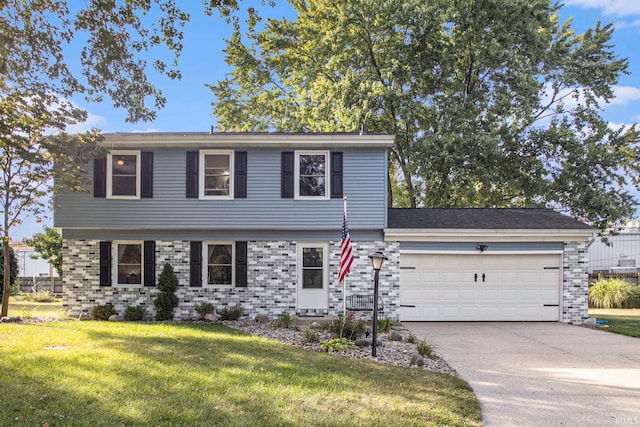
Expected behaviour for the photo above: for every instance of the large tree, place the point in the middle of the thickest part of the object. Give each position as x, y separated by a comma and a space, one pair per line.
492, 103
49, 246
53, 50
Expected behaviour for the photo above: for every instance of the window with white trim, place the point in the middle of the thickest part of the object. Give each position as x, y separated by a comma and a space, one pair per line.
219, 263
129, 263
123, 175
216, 174
311, 174
313, 268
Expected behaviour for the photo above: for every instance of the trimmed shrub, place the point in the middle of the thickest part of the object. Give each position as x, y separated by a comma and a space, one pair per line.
204, 308
610, 293
231, 313
103, 312
134, 314
166, 301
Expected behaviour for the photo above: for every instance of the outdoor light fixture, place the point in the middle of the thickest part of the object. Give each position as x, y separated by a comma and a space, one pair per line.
377, 258
120, 162
481, 247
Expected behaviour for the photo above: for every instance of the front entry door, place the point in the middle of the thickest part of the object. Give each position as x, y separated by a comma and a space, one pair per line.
313, 276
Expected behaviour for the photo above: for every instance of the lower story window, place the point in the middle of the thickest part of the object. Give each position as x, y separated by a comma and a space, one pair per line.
129, 263
312, 268
219, 263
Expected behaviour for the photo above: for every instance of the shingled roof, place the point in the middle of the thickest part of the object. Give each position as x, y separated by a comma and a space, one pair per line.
483, 218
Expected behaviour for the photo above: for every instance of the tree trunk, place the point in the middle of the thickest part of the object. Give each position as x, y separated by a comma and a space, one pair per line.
7, 276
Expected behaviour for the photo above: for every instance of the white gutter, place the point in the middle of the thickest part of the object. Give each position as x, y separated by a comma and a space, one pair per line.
465, 234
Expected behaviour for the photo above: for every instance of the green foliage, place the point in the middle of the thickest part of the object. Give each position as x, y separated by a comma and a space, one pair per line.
231, 313
49, 246
134, 314
103, 312
384, 325
348, 327
425, 348
283, 321
311, 335
204, 308
486, 111
166, 301
337, 344
611, 293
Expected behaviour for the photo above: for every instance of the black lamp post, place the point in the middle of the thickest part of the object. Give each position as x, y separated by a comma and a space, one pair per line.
377, 258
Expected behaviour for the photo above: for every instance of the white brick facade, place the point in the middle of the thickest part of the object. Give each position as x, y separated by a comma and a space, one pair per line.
575, 283
272, 280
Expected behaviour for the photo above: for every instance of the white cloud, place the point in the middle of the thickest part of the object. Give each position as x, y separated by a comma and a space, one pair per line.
147, 130
93, 121
625, 95
608, 7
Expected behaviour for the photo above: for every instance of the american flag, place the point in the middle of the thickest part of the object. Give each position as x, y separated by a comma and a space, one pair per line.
346, 251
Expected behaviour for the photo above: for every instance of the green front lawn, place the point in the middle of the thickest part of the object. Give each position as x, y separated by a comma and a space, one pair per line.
101, 373
620, 320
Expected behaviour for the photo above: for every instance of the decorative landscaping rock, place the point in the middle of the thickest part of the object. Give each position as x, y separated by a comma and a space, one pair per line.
314, 325
11, 319
416, 360
210, 317
84, 316
187, 318
114, 318
362, 343
261, 318
395, 336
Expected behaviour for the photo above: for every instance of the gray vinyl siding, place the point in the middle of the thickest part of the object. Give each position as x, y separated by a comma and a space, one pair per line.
333, 234
263, 209
491, 246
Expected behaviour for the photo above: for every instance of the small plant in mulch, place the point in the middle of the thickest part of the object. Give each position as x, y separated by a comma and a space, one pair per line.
347, 327
231, 313
425, 348
311, 335
283, 321
204, 308
337, 344
384, 325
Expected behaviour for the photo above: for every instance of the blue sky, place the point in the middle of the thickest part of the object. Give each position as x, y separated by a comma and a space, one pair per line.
189, 108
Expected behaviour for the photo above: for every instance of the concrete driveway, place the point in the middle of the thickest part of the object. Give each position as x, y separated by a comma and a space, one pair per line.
543, 374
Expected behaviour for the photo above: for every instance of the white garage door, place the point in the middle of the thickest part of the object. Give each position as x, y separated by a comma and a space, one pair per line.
480, 287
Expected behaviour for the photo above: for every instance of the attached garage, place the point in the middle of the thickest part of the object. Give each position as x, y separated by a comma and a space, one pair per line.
478, 287
491, 265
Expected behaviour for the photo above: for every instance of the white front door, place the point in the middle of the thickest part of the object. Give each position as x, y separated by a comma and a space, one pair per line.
313, 276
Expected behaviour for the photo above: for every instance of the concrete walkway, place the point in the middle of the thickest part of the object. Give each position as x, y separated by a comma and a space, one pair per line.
543, 374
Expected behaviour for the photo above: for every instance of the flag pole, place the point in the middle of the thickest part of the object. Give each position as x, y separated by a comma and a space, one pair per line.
344, 281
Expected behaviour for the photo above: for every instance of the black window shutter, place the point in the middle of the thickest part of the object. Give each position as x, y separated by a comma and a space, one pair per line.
195, 277
149, 263
241, 264
100, 177
146, 180
287, 172
105, 263
336, 175
240, 171
192, 174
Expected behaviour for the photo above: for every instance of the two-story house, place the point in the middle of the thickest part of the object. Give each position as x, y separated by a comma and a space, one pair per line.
255, 220
249, 219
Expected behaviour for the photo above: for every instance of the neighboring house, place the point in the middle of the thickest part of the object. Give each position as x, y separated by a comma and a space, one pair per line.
255, 220
30, 264
620, 255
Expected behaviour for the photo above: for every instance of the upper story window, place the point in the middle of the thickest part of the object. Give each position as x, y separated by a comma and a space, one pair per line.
123, 175
311, 174
216, 173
